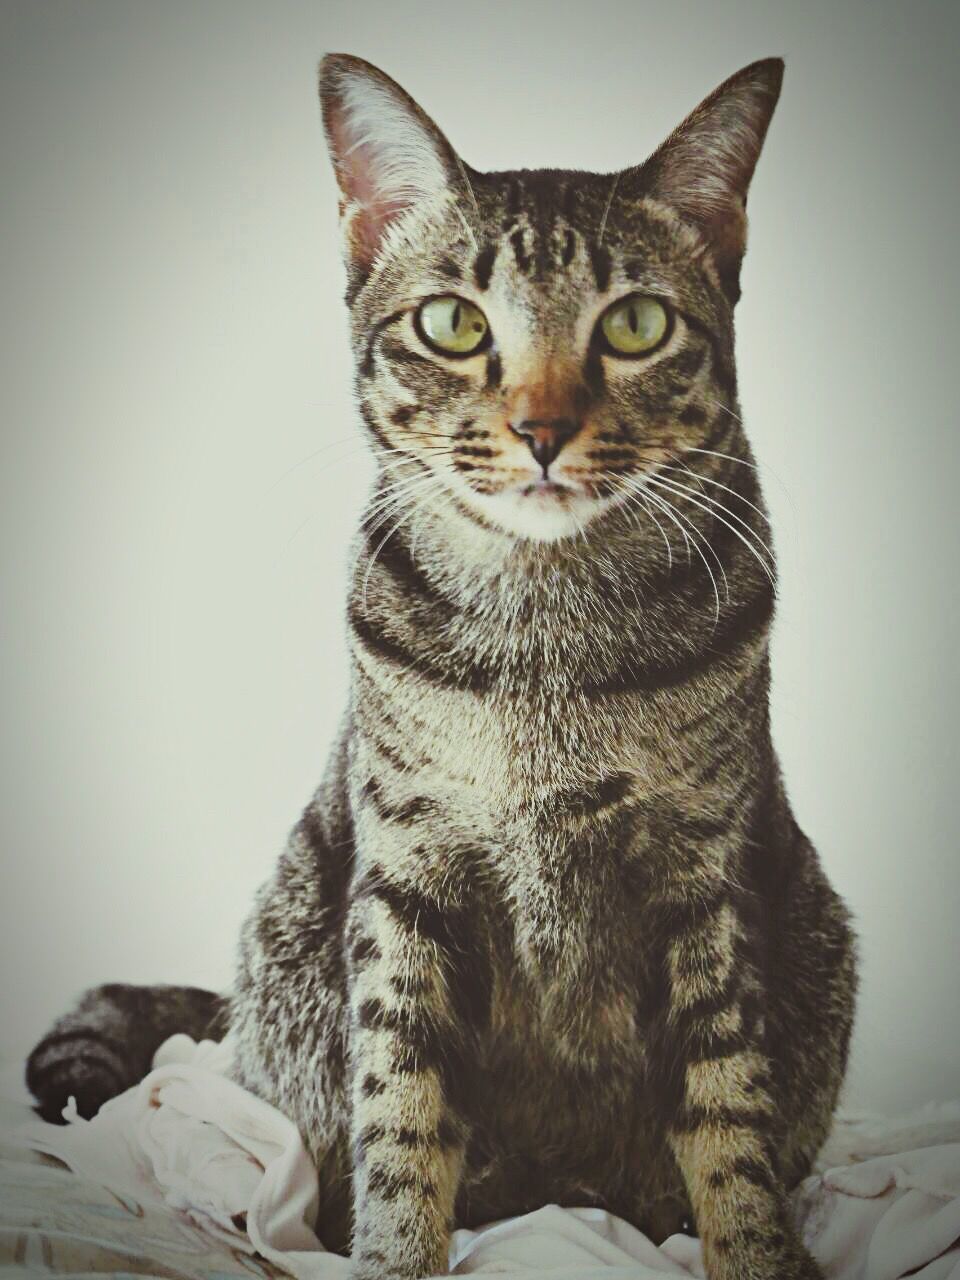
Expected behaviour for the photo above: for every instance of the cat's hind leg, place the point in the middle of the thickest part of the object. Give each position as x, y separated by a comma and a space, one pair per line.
289, 1015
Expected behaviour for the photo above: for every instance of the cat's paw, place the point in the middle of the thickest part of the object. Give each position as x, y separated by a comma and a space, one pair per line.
390, 1262
743, 1260
370, 1267
376, 1266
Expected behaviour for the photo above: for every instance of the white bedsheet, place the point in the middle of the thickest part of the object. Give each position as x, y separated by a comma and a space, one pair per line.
190, 1140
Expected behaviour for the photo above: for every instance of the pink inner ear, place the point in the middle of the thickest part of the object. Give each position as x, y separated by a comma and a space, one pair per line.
356, 174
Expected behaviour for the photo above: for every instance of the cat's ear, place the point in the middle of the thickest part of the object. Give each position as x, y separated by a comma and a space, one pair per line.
704, 168
387, 153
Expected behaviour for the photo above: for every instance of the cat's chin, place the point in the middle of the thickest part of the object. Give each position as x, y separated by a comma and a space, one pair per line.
540, 513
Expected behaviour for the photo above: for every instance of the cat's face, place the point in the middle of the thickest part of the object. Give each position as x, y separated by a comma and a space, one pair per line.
531, 346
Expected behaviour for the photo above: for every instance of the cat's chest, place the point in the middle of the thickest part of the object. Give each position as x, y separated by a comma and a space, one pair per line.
570, 961
516, 752
568, 1023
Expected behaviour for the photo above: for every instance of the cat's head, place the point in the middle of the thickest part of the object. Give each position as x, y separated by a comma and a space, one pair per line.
532, 345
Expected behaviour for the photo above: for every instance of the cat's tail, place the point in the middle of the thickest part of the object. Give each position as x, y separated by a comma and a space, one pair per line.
106, 1043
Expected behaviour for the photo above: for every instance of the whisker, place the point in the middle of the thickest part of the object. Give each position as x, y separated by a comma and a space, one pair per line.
408, 514
742, 462
672, 513
373, 558
331, 444
361, 445
355, 453
393, 494
726, 409
697, 533
398, 490
627, 492
400, 493
713, 510
697, 539
296, 533
717, 505
707, 480
581, 528
728, 456
393, 491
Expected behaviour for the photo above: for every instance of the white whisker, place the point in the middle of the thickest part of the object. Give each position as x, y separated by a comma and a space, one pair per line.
706, 480
729, 457
678, 518
716, 506
720, 405
627, 492
411, 511
331, 444
714, 510
607, 207
398, 493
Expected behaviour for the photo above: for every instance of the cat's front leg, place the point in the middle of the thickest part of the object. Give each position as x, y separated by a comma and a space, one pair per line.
722, 1118
411, 1056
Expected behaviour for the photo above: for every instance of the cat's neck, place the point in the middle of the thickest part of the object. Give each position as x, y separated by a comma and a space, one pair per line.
484, 566
502, 595
617, 586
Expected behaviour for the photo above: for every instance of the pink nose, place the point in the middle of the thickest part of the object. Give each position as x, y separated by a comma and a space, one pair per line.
545, 437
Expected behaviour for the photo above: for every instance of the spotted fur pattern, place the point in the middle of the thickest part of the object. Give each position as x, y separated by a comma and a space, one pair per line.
548, 931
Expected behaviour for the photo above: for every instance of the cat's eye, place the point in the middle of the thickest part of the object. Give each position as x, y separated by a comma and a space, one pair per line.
634, 326
452, 326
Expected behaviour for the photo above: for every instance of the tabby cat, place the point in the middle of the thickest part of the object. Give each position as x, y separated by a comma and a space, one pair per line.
548, 931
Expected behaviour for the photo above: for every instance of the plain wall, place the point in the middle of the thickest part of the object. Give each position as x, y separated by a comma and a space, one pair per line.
182, 467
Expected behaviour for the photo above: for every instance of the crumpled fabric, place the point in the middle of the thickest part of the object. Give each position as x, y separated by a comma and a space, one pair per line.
193, 1139
894, 1214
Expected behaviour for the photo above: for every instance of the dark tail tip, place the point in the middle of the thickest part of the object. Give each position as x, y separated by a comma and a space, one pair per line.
89, 1084
75, 1065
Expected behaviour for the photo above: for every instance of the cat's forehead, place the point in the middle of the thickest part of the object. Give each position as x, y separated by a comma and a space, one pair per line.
544, 241
542, 249
539, 219
543, 198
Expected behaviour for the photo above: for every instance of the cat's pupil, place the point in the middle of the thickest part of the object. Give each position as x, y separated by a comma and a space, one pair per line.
632, 319
456, 318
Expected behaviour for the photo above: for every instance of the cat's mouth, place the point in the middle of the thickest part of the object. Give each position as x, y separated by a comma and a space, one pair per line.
543, 509
546, 488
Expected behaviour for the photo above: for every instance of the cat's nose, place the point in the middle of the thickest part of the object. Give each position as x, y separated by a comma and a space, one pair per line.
545, 437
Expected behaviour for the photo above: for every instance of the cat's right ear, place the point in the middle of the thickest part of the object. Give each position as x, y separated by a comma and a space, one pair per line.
387, 153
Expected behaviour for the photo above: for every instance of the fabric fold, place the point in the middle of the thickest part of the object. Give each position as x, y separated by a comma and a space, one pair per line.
192, 1142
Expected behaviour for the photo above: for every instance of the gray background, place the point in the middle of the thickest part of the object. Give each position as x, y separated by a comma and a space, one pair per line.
182, 470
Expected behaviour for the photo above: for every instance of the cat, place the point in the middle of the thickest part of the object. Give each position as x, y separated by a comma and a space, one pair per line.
548, 930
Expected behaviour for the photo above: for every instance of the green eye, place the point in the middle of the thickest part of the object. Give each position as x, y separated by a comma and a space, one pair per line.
635, 325
452, 325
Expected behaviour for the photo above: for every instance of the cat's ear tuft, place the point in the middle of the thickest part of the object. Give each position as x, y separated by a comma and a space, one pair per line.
703, 170
387, 153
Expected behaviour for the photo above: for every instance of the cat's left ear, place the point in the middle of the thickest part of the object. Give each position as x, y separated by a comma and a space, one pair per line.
387, 153
704, 168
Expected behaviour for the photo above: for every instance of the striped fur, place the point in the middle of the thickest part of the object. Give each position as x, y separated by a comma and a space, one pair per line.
548, 931
106, 1044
